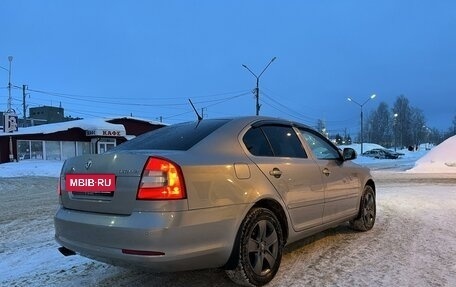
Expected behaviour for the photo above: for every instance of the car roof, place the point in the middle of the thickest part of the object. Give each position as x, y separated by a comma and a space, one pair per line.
232, 127
260, 120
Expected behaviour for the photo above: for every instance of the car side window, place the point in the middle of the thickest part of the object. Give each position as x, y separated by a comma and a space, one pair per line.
284, 141
319, 146
256, 142
271, 140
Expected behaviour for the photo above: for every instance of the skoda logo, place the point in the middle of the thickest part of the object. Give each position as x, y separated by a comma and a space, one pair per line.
88, 164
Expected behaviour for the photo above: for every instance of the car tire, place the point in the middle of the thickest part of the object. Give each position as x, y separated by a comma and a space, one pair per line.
260, 245
367, 211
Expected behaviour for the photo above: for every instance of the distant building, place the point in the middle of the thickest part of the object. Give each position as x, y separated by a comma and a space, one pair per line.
40, 116
59, 141
46, 115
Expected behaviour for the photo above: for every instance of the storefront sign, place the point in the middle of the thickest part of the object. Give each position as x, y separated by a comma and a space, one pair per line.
105, 133
10, 123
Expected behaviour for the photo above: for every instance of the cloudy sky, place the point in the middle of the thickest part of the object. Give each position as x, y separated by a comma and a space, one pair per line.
147, 58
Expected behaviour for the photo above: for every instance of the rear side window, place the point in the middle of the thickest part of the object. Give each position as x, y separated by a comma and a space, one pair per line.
274, 140
175, 137
257, 144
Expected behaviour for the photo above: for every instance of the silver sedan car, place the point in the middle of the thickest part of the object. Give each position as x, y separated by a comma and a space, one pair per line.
217, 193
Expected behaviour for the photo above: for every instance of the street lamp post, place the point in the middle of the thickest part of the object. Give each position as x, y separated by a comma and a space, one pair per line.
257, 89
395, 131
361, 107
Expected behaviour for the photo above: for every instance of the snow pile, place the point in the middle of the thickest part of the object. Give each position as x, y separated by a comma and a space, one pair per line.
31, 168
441, 159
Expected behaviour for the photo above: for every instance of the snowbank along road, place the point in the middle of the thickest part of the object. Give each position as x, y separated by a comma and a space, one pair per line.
412, 244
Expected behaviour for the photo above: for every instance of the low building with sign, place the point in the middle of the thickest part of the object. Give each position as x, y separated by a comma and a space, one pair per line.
59, 141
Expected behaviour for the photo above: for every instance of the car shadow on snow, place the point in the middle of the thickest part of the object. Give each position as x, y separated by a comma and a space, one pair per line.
216, 277
128, 277
329, 235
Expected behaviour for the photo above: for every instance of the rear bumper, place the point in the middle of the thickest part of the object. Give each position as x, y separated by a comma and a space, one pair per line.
189, 239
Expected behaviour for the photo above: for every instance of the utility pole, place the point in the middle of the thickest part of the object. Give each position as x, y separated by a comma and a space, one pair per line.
257, 89
257, 96
24, 107
10, 59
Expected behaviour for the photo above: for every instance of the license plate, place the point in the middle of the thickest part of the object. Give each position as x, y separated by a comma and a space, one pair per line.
90, 182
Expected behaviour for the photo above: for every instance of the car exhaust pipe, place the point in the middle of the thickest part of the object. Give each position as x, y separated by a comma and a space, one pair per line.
66, 252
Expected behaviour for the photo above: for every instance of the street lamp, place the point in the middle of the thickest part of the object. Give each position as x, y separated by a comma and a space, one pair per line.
395, 130
361, 107
257, 89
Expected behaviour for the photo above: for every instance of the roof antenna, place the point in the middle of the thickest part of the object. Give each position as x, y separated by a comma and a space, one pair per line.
196, 112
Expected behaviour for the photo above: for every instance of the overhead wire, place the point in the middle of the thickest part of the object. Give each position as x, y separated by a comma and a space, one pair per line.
336, 127
180, 103
91, 98
175, 105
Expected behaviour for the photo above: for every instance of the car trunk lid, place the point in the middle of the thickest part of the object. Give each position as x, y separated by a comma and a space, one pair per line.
106, 183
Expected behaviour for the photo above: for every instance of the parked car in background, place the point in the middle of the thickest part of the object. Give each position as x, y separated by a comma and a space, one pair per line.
217, 193
381, 153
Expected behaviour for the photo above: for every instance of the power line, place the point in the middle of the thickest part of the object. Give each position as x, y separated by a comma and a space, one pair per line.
51, 93
303, 116
173, 105
89, 102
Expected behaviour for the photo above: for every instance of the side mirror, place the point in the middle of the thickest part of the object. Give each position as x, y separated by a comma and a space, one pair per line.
349, 153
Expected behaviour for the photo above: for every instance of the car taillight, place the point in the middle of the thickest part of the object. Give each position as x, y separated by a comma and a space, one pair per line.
161, 179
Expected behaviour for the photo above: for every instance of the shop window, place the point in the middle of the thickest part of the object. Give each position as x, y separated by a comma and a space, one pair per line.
23, 150
83, 147
36, 149
68, 150
52, 150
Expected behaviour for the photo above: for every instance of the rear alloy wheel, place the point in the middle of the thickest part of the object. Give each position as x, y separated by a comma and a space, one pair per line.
260, 247
367, 211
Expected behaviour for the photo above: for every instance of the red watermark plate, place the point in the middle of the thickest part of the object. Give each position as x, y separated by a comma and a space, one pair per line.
90, 182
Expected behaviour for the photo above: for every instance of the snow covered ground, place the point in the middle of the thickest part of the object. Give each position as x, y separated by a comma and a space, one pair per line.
412, 243
31, 168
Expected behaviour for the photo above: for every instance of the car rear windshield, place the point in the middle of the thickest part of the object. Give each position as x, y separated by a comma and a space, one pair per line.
174, 137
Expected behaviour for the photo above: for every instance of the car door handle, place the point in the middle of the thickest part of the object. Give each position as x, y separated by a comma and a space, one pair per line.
275, 172
326, 171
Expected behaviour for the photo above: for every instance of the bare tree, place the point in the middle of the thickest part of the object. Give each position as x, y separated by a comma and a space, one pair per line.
403, 128
381, 124
454, 125
418, 125
321, 127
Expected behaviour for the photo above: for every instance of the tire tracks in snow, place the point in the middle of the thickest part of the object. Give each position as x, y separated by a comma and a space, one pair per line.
411, 244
